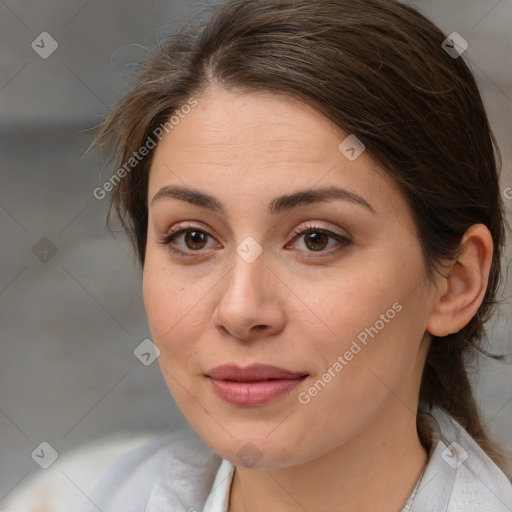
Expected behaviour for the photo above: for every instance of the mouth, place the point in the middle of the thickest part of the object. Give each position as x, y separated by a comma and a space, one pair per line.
254, 373
253, 385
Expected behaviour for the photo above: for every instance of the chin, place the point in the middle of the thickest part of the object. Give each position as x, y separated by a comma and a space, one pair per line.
258, 451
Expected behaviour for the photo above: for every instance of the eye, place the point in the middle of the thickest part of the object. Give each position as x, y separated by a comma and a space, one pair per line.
194, 238
317, 239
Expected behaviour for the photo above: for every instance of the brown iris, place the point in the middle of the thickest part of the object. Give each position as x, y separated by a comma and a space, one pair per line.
318, 240
195, 240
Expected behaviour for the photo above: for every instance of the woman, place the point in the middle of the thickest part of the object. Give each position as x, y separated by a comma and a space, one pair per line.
312, 193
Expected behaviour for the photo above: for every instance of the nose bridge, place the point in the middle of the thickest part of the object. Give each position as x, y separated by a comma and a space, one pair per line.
247, 298
247, 276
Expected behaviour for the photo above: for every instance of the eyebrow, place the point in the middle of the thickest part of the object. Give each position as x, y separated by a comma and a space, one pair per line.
277, 205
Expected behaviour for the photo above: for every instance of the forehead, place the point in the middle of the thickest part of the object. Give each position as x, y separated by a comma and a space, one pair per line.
257, 144
258, 125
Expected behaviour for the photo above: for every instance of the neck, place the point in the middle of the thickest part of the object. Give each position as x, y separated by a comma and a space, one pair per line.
376, 470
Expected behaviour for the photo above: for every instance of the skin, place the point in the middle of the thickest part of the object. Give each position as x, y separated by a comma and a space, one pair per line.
355, 443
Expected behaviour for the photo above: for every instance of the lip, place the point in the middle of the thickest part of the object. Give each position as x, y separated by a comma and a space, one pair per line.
253, 385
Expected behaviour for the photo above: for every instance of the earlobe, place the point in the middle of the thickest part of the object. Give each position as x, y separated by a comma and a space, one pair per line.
463, 285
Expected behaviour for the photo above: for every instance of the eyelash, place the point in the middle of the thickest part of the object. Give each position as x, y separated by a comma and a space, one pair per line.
301, 231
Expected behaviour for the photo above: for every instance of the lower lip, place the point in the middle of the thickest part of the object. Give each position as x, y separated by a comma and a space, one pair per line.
253, 393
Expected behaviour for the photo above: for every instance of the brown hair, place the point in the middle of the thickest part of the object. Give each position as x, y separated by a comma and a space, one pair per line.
377, 69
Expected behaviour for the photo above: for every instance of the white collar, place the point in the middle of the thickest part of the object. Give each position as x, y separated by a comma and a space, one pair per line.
456, 476
218, 499
179, 471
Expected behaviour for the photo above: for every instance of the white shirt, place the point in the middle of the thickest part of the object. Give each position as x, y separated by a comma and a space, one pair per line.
178, 472
218, 499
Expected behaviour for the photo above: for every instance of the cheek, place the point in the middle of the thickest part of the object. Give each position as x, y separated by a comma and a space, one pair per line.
158, 297
376, 321
171, 331
354, 303
177, 318
357, 379
168, 307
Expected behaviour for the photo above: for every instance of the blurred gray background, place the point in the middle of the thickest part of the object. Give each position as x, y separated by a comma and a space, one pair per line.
71, 309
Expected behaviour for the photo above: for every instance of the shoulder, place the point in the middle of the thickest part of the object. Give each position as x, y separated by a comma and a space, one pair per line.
173, 468
461, 476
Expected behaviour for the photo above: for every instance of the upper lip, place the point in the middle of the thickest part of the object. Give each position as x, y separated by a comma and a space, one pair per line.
255, 372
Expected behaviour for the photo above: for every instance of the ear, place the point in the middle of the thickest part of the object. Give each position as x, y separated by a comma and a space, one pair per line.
462, 287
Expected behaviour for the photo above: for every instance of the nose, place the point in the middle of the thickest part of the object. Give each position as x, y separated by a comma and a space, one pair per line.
250, 301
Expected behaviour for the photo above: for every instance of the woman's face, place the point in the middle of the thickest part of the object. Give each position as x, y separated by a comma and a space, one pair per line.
343, 306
